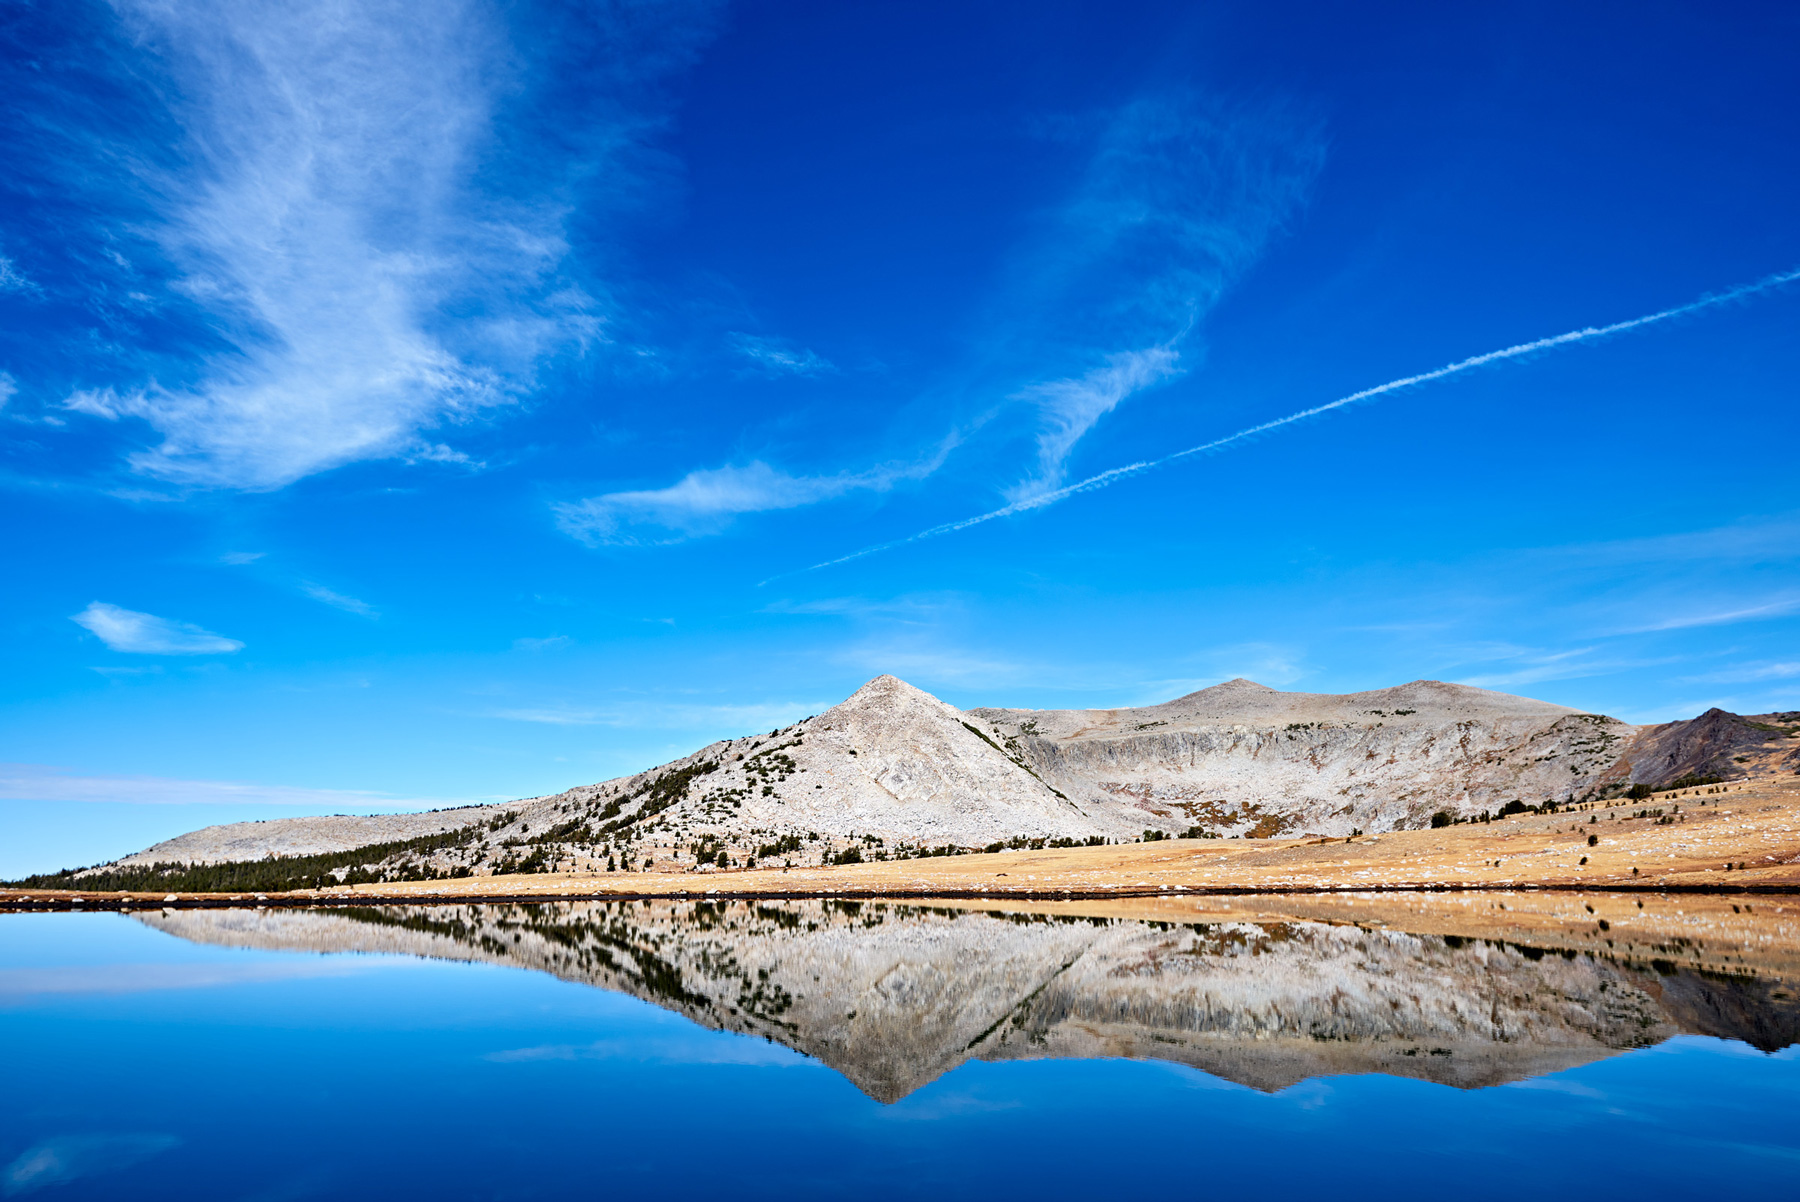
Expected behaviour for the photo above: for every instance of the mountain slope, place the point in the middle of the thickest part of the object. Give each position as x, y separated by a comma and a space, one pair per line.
895, 772
287, 837
891, 762
1241, 757
1718, 744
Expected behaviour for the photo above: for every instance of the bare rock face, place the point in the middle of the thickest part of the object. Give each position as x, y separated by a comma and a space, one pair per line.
891, 765
894, 996
896, 761
1241, 758
1718, 744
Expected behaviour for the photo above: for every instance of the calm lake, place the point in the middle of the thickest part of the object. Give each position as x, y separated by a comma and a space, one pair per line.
839, 1048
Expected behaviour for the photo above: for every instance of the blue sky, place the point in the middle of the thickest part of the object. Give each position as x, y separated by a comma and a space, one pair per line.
405, 410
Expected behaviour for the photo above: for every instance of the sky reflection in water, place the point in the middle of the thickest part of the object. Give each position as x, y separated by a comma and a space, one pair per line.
286, 1056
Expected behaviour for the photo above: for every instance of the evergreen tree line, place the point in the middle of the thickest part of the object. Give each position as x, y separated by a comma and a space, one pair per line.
271, 875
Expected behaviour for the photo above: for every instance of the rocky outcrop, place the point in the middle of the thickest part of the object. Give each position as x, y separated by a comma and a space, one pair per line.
1718, 744
1241, 758
896, 761
893, 996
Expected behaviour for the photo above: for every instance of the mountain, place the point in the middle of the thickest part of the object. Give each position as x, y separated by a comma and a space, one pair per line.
895, 772
1718, 744
1242, 758
291, 837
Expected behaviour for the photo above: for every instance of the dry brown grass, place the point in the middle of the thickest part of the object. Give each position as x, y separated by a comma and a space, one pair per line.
1756, 825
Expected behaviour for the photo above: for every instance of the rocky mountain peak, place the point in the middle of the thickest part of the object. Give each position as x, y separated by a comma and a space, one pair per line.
894, 770
1718, 744
886, 696
1234, 691
1238, 684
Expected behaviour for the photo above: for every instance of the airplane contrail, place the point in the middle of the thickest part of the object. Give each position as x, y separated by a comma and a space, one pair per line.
1114, 475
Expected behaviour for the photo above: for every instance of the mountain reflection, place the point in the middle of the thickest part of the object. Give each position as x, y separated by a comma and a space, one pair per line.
894, 995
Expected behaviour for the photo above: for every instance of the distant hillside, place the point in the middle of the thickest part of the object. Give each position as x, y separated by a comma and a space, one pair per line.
1242, 758
1717, 744
893, 772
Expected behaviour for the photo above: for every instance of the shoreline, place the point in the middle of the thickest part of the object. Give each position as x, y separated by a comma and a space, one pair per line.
1737, 935
1740, 841
44, 901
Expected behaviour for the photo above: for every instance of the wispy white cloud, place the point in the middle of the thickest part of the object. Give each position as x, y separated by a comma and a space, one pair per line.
437, 452
1754, 540
1677, 708
555, 642
334, 219
18, 983
9, 388
1266, 663
1780, 607
684, 1048
560, 717
1747, 673
322, 225
1554, 669
146, 634
240, 558
1180, 196
906, 609
775, 358
1070, 407
1523, 350
40, 782
650, 714
67, 1158
336, 600
705, 501
702, 502
14, 280
931, 661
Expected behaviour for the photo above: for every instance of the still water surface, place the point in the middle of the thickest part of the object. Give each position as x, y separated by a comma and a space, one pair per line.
829, 1049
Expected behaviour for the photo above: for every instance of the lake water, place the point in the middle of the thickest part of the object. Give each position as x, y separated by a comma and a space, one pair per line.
837, 1049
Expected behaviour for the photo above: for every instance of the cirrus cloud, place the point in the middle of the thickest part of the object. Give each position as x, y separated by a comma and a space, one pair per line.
67, 1158
775, 358
706, 501
1070, 407
146, 634
46, 782
1180, 197
359, 218
337, 600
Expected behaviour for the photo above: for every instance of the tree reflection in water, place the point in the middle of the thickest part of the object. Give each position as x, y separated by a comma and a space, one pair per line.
893, 995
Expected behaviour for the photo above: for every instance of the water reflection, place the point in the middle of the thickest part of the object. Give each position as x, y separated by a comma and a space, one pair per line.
894, 995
